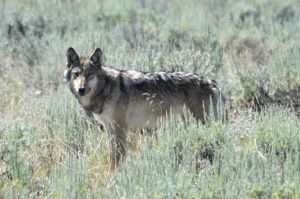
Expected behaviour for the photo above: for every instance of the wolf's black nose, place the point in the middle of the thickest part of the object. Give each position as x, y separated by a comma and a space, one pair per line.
81, 91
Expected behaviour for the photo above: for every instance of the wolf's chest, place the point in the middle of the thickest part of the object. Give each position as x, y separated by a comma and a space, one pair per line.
104, 118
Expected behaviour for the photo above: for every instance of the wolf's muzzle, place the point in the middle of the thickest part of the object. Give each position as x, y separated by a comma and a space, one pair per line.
79, 85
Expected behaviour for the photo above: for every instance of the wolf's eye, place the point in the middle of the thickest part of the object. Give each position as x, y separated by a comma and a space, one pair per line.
76, 74
89, 75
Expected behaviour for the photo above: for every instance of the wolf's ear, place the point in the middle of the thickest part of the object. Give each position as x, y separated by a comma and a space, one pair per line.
72, 57
96, 57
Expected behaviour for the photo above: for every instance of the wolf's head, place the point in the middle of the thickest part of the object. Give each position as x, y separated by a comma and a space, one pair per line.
82, 72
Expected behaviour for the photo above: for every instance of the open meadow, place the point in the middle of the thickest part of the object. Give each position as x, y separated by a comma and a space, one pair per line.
48, 149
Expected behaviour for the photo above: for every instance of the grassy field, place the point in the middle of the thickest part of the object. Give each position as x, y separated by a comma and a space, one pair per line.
251, 47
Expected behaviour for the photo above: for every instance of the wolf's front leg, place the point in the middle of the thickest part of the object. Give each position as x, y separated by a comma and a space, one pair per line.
117, 146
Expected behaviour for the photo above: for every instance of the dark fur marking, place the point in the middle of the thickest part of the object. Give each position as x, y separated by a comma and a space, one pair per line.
169, 83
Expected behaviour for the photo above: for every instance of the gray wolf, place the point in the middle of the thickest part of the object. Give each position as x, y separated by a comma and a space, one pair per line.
128, 100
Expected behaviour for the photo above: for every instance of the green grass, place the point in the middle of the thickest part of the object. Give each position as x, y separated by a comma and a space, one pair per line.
57, 154
49, 150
